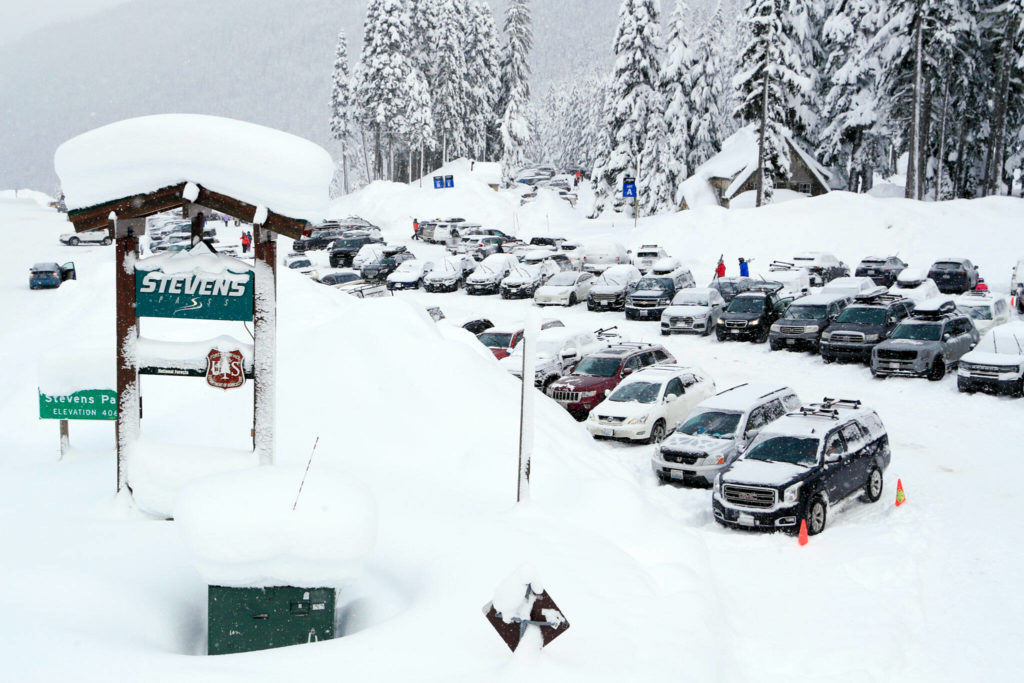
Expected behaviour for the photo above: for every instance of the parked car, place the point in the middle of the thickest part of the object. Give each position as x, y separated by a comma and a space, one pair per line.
344, 249
654, 293
986, 311
822, 266
367, 254
409, 275
566, 288
49, 275
446, 276
600, 372
883, 270
718, 431
801, 465
647, 255
452, 229
557, 350
996, 364
927, 344
73, 239
482, 247
693, 310
610, 288
805, 319
954, 275
536, 256
871, 318
1017, 284
914, 284
600, 255
501, 342
849, 286
321, 238
338, 276
650, 403
729, 287
486, 277
790, 281
664, 266
299, 262
523, 280
392, 256
573, 251
750, 315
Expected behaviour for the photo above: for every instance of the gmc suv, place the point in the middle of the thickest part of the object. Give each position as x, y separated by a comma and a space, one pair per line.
805, 320
801, 465
597, 374
870, 319
345, 248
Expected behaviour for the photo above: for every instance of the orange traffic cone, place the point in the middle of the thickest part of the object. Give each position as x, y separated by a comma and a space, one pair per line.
901, 498
802, 538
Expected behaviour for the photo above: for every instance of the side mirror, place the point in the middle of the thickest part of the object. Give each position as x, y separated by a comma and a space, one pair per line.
607, 392
946, 337
832, 458
627, 371
671, 398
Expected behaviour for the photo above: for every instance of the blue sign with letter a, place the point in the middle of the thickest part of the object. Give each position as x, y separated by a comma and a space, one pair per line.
629, 187
438, 182
449, 181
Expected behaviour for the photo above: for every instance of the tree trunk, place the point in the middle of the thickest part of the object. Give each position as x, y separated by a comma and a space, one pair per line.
344, 168
958, 169
942, 140
914, 151
998, 141
924, 148
760, 143
366, 155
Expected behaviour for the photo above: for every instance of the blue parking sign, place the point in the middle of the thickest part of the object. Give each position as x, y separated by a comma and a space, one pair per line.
438, 182
449, 181
629, 187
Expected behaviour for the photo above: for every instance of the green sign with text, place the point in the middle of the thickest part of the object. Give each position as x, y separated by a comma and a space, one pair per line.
89, 404
206, 296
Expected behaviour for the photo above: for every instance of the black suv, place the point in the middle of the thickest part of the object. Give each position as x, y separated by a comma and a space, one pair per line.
750, 315
870, 319
954, 275
345, 248
321, 238
802, 464
883, 270
393, 256
654, 293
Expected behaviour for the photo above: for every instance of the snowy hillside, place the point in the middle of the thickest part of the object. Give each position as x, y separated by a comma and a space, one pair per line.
654, 589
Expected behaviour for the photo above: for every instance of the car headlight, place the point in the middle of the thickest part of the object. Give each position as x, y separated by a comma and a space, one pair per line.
638, 420
593, 417
825, 336
588, 394
811, 328
776, 327
871, 337
791, 493
755, 321
718, 484
721, 322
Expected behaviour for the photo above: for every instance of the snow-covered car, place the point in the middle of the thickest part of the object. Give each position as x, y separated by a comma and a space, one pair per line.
730, 287
392, 256
664, 266
693, 310
452, 228
849, 286
996, 364
927, 344
524, 280
1017, 284
801, 465
598, 256
299, 263
558, 258
73, 239
986, 311
719, 430
823, 267
49, 275
501, 341
883, 270
446, 276
557, 350
409, 275
914, 284
610, 288
486, 277
566, 288
795, 282
334, 277
350, 282
368, 253
649, 404
573, 251
646, 256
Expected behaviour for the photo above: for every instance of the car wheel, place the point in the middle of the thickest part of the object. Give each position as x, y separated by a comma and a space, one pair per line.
719, 336
938, 370
707, 330
774, 346
665, 333
572, 299
106, 240
657, 432
816, 517
73, 241
827, 358
873, 486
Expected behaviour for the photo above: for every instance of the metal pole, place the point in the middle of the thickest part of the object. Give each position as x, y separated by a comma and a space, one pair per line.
636, 192
529, 344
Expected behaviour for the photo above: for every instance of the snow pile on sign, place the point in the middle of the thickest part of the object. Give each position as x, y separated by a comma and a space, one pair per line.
76, 370
510, 597
199, 259
157, 353
242, 531
258, 165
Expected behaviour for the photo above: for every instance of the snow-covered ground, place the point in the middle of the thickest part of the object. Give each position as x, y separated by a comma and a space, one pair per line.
654, 589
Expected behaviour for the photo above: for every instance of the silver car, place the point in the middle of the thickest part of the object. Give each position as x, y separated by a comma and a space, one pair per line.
926, 345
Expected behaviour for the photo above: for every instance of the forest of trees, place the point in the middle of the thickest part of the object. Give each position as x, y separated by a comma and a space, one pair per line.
861, 83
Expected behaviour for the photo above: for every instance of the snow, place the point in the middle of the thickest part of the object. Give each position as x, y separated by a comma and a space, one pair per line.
765, 473
241, 530
191, 355
248, 162
200, 260
511, 599
76, 369
740, 398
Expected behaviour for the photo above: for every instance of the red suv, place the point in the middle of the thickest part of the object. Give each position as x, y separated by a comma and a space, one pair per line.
599, 373
501, 342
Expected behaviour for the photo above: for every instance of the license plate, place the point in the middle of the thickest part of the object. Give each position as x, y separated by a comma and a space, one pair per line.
745, 519
872, 272
892, 365
791, 341
605, 303
607, 432
735, 331
677, 474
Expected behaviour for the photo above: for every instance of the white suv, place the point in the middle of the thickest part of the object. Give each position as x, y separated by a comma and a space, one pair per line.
649, 404
557, 349
647, 255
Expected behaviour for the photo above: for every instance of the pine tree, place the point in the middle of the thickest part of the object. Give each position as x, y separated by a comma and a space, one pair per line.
482, 77
677, 88
449, 84
515, 87
768, 87
635, 119
342, 116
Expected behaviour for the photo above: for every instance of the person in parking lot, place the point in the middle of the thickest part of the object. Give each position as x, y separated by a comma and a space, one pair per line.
744, 268
720, 270
981, 286
246, 241
415, 228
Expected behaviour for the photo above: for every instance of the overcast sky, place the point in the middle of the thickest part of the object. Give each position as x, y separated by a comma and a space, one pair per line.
20, 17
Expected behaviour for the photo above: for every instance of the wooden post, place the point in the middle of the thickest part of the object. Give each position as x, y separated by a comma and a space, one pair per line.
265, 343
127, 426
65, 440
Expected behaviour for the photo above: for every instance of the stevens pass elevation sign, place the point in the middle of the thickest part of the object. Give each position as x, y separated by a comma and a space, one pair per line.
207, 296
88, 404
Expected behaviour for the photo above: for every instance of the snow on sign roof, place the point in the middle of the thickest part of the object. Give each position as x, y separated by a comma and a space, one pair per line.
254, 164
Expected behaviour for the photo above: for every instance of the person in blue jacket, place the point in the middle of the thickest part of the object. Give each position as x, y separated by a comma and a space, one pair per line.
744, 268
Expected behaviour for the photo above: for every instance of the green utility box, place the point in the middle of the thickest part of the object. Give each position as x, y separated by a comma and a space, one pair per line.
246, 619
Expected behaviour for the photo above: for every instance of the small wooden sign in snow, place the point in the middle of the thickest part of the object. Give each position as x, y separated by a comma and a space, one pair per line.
535, 609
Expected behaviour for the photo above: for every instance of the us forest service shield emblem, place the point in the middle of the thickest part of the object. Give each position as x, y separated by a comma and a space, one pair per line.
224, 369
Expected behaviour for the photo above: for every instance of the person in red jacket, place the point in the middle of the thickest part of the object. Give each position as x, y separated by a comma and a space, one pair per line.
245, 242
415, 228
720, 270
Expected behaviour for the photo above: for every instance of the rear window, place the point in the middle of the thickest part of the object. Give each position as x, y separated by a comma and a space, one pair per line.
805, 312
947, 265
495, 340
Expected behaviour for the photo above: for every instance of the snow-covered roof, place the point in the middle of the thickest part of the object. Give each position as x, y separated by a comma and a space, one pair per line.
261, 166
741, 397
200, 259
188, 355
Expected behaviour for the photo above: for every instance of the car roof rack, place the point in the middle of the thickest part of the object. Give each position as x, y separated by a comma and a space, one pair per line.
935, 310
985, 294
723, 391
828, 407
781, 265
770, 287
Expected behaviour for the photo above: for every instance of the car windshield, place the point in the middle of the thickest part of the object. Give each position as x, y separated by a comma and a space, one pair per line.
611, 280
862, 316
597, 367
662, 283
563, 279
925, 332
872, 263
947, 266
339, 278
496, 340
300, 264
648, 254
805, 312
792, 449
690, 300
409, 267
746, 304
726, 289
806, 259
349, 243
641, 392
716, 423
978, 312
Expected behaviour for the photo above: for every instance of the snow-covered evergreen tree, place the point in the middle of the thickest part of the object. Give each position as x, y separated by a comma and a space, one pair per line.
771, 82
515, 87
707, 94
676, 89
449, 84
636, 124
482, 76
342, 115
